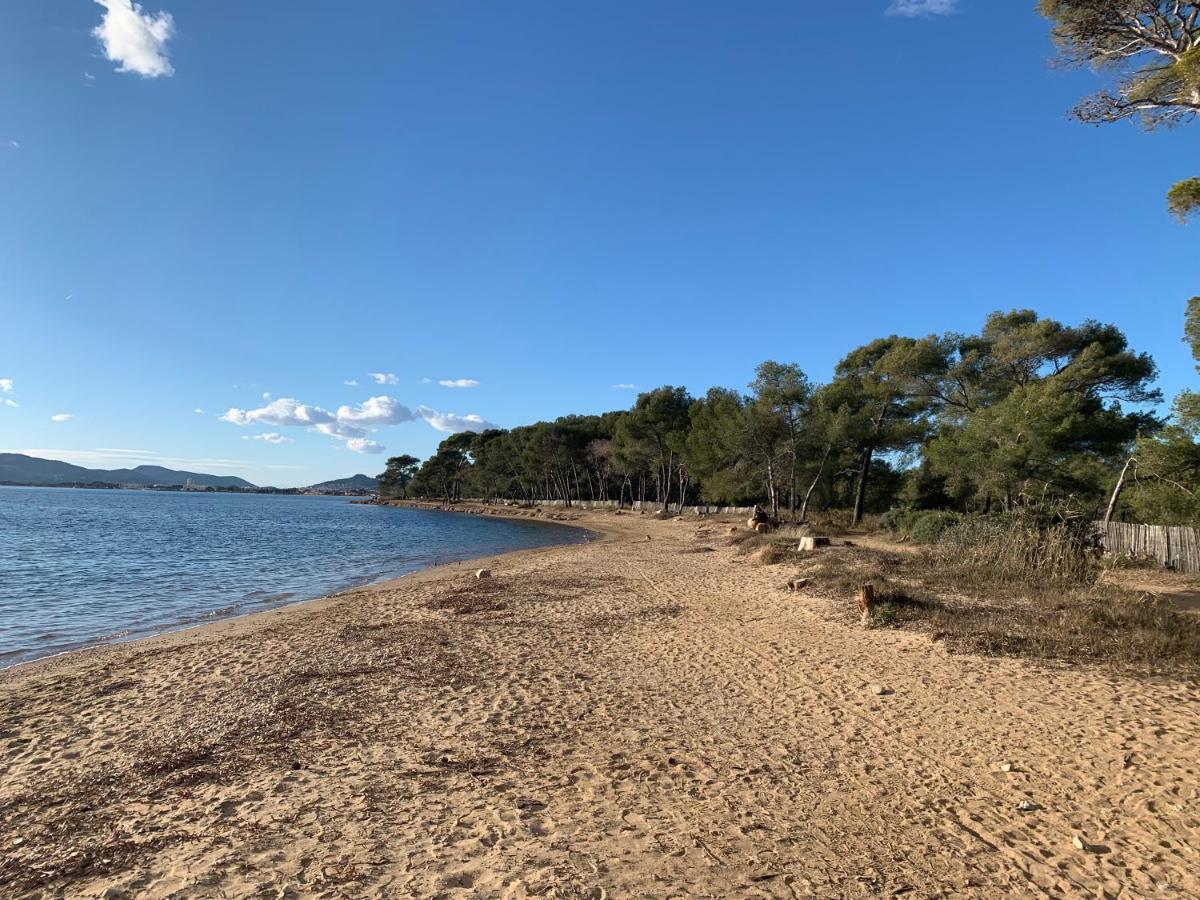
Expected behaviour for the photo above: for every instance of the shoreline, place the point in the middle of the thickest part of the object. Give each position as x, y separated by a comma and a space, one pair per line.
169, 631
644, 714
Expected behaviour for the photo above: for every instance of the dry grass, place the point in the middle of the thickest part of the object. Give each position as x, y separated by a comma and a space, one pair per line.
977, 609
769, 549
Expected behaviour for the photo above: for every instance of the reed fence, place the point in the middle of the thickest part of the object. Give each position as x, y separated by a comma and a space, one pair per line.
1174, 546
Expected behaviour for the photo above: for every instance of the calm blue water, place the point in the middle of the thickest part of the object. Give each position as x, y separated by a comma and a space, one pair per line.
81, 567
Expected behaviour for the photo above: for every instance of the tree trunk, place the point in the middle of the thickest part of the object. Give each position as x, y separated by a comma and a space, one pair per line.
772, 495
816, 480
1116, 494
860, 495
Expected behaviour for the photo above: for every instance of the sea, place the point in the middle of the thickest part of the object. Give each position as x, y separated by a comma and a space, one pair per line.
83, 567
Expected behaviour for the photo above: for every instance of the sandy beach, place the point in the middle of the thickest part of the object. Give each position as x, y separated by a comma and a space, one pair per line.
645, 715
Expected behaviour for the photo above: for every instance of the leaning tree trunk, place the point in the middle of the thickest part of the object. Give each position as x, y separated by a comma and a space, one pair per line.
1116, 494
812, 487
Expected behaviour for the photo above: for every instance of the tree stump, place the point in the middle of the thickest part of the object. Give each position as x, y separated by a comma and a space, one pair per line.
812, 543
866, 602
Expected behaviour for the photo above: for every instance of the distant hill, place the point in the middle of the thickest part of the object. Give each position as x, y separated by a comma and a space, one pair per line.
353, 483
17, 468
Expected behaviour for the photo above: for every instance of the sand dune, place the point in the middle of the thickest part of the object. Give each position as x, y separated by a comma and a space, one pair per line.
625, 718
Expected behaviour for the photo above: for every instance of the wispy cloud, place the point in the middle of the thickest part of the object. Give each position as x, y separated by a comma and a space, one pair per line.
271, 437
6, 385
362, 445
385, 378
15, 145
135, 39
424, 381
62, 417
914, 8
625, 387
459, 382
350, 383
8, 401
198, 411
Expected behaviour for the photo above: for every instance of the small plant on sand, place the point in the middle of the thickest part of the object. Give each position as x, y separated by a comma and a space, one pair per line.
887, 615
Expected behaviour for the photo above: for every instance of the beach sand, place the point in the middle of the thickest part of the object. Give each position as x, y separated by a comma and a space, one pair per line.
639, 716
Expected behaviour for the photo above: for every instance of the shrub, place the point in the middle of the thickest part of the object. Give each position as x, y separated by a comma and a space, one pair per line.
897, 520
928, 527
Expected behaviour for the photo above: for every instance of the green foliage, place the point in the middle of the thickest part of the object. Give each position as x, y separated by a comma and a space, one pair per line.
928, 527
1030, 409
1183, 199
897, 520
922, 526
398, 474
1148, 49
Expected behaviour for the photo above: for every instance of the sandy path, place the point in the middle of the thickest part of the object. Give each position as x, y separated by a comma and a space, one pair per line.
621, 719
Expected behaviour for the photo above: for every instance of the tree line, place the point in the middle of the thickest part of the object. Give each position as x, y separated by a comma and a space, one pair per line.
1026, 411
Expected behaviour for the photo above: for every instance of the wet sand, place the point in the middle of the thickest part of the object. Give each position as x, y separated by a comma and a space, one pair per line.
646, 715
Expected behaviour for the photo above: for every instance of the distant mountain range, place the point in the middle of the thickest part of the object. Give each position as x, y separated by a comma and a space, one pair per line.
353, 483
17, 468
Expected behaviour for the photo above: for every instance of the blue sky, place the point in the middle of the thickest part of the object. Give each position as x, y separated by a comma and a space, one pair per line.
257, 203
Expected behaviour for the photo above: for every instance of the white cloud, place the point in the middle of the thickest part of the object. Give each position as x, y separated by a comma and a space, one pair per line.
451, 423
198, 411
135, 39
353, 421
6, 385
350, 383
9, 402
459, 382
284, 411
14, 145
266, 395
913, 8
271, 437
625, 387
89, 76
385, 378
375, 411
62, 417
351, 424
